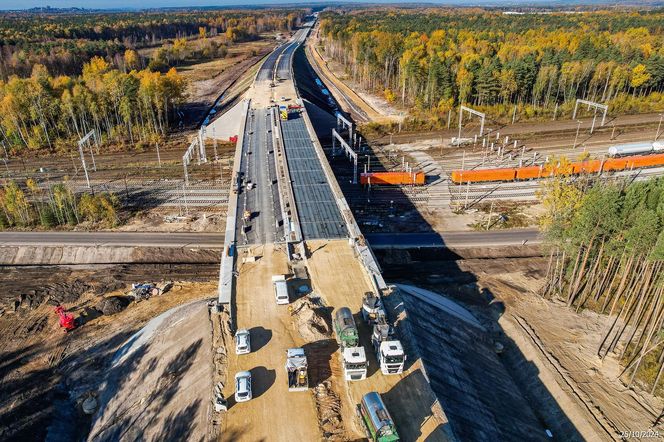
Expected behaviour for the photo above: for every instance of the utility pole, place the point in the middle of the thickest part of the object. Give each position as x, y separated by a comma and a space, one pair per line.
465, 205
656, 135
6, 158
85, 169
488, 223
578, 127
514, 115
158, 155
184, 194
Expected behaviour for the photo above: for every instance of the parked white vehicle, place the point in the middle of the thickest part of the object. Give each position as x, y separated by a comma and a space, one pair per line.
243, 386
280, 289
242, 342
355, 363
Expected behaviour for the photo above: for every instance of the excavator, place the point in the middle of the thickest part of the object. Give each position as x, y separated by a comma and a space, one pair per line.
67, 320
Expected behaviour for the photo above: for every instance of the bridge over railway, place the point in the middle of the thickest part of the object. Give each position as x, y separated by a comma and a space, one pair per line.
290, 217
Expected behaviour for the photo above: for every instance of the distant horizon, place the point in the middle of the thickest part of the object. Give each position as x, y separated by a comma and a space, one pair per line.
128, 5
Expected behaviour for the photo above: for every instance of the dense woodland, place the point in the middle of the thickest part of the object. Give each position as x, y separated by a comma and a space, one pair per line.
43, 111
54, 206
607, 254
64, 42
63, 75
433, 60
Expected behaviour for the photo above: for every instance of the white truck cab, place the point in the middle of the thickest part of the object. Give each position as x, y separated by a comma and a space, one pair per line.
391, 357
280, 289
355, 363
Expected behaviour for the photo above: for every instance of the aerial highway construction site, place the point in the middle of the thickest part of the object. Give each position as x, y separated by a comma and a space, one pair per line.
332, 282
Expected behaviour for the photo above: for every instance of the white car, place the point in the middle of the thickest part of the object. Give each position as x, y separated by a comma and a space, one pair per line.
280, 289
243, 386
242, 342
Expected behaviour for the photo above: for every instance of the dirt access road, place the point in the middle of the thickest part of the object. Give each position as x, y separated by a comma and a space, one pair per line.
276, 414
408, 396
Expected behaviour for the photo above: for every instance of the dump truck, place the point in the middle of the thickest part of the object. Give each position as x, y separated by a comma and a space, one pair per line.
355, 363
296, 368
389, 351
283, 112
345, 328
377, 421
372, 308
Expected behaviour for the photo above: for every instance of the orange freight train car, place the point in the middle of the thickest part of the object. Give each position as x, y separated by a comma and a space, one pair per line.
529, 172
613, 164
577, 168
645, 161
393, 178
591, 166
483, 175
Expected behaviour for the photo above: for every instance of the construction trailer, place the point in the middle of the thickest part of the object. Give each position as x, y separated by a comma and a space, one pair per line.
389, 351
296, 369
377, 421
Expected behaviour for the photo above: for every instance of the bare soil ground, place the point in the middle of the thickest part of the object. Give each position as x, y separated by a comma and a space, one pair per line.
210, 79
45, 374
338, 279
560, 343
274, 413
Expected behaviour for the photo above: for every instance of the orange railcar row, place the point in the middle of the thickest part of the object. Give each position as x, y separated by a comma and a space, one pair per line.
576, 168
391, 178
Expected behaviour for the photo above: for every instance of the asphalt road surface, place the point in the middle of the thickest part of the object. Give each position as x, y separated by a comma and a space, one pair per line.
266, 70
216, 240
260, 197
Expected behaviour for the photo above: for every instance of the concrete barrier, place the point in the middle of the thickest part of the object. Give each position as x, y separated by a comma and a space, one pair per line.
226, 278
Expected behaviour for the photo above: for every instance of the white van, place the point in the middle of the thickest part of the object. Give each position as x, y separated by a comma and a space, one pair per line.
280, 289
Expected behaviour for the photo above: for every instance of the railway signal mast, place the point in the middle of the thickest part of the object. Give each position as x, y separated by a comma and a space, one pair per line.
83, 141
597, 106
349, 151
481, 115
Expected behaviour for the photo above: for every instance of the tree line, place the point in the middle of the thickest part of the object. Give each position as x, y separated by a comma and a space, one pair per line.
54, 206
606, 242
64, 42
43, 111
433, 60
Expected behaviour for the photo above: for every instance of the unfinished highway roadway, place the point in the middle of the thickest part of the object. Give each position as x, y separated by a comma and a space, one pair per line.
289, 217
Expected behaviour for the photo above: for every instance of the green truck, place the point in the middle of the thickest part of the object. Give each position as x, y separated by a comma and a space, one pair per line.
377, 420
345, 328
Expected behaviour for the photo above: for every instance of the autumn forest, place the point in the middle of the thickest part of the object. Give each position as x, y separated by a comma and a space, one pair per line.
62, 75
434, 60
